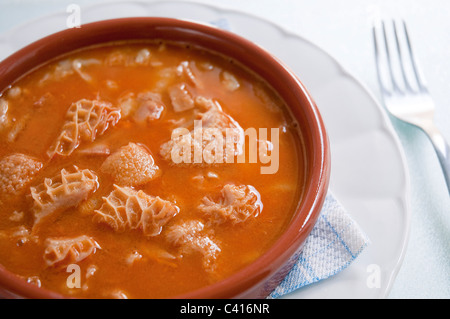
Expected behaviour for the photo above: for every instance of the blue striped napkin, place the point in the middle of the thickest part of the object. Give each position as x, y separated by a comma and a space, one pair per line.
335, 241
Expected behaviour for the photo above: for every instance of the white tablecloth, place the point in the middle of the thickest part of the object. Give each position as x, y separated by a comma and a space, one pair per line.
343, 29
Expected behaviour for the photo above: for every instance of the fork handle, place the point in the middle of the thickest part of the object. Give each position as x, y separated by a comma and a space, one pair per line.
443, 152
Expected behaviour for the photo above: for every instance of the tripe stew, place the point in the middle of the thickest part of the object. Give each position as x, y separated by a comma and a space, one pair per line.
99, 198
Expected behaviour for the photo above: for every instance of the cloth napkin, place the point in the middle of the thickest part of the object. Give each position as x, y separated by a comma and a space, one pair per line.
335, 241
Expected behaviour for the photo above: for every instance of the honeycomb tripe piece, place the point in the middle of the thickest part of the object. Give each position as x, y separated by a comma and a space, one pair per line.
67, 189
65, 251
16, 172
131, 165
191, 237
127, 209
235, 204
85, 120
216, 137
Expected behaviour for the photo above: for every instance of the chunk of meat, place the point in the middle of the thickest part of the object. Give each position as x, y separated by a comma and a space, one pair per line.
152, 251
213, 115
68, 67
142, 57
202, 147
185, 69
85, 120
17, 127
131, 165
235, 205
128, 209
150, 107
180, 97
14, 92
171, 75
95, 150
215, 138
130, 58
190, 238
117, 58
4, 119
62, 69
78, 66
127, 104
184, 233
229, 81
66, 251
144, 107
65, 190
16, 172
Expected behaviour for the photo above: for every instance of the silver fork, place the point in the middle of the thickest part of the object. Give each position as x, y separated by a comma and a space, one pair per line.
403, 87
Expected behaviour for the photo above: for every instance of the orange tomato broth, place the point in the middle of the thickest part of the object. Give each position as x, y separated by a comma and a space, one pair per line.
252, 105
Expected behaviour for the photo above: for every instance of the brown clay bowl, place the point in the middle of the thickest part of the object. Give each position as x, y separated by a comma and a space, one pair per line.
259, 278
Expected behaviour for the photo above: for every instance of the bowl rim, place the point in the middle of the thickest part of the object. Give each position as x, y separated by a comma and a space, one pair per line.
304, 218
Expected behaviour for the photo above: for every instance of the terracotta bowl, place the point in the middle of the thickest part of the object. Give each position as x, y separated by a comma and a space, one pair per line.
258, 279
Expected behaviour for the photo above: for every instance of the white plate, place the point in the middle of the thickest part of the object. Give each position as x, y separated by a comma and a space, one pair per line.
369, 174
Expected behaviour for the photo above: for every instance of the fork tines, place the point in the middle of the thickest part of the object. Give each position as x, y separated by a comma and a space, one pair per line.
397, 67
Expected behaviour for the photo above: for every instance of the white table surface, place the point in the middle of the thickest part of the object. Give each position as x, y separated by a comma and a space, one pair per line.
343, 29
